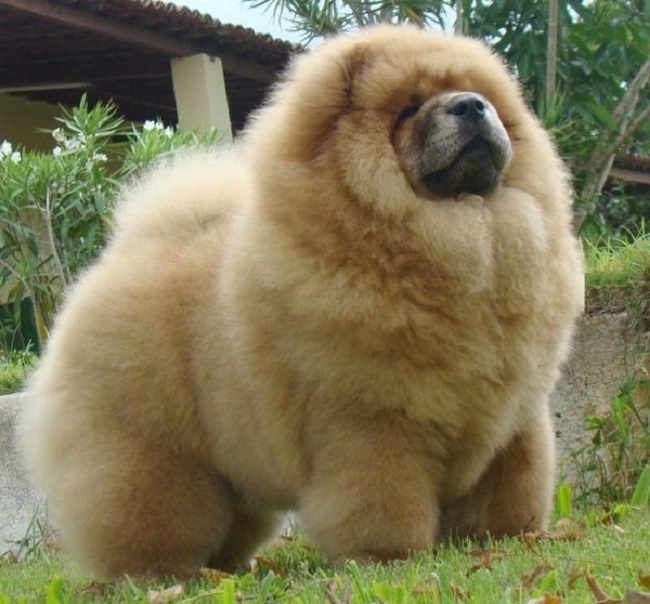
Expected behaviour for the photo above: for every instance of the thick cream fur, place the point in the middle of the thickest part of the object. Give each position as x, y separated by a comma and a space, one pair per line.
289, 325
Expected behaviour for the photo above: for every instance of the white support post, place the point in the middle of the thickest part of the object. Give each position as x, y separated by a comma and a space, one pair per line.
200, 91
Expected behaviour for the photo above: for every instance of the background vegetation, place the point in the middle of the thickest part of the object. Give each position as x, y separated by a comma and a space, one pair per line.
56, 209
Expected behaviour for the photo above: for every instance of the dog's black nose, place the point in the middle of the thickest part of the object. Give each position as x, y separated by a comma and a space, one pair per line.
470, 107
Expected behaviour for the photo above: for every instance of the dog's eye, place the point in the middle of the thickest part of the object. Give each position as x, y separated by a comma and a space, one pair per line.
407, 113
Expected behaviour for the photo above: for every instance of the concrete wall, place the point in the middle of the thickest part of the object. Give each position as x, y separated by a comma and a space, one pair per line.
200, 92
20, 119
18, 501
605, 353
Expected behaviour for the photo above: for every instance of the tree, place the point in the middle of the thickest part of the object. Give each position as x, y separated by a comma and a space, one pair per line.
318, 18
551, 52
625, 123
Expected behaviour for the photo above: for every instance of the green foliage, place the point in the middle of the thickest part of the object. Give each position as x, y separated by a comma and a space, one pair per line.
317, 18
53, 208
614, 213
15, 367
153, 142
36, 543
574, 564
54, 592
564, 501
56, 208
614, 466
641, 495
593, 60
617, 261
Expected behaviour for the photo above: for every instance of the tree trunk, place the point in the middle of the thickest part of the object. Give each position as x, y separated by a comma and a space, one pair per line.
551, 52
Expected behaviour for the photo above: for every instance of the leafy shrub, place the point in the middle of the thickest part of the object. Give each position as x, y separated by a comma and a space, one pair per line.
56, 208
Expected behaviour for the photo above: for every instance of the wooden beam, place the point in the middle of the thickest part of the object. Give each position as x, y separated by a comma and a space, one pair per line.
137, 36
630, 175
95, 70
133, 99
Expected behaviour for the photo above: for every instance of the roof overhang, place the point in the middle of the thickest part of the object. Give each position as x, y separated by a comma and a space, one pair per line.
54, 50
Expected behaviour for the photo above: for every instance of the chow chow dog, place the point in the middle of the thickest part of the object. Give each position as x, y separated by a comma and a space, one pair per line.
356, 313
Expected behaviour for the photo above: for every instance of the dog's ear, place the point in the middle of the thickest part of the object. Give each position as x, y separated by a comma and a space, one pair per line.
352, 67
318, 87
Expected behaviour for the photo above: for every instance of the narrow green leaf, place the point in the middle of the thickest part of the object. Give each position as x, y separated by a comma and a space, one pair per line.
641, 495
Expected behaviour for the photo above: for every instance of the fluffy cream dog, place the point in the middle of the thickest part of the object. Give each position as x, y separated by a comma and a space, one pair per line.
358, 314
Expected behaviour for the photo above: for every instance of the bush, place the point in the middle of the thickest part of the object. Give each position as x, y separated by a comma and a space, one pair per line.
56, 208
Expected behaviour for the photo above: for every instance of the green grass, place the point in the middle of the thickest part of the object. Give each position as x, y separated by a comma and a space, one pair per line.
617, 262
614, 557
15, 367
618, 277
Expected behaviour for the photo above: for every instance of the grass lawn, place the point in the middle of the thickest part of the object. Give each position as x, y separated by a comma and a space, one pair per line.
618, 276
617, 262
15, 366
593, 560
